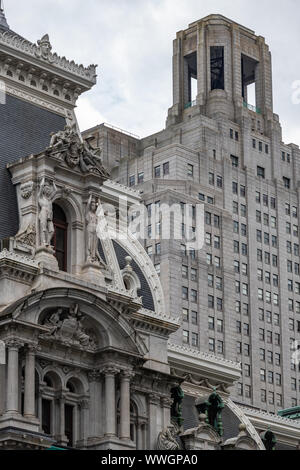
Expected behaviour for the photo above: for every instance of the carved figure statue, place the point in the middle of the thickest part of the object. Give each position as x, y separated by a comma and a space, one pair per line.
43, 49
167, 439
46, 195
91, 230
68, 327
54, 321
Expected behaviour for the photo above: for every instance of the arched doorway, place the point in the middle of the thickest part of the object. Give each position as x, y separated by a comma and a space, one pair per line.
60, 237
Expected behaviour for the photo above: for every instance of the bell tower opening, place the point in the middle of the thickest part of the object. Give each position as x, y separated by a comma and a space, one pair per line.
191, 73
249, 79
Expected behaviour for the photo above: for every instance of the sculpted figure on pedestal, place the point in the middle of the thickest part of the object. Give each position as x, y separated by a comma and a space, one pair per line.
91, 219
46, 195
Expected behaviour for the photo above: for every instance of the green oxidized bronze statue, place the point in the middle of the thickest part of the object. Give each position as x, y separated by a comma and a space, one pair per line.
176, 410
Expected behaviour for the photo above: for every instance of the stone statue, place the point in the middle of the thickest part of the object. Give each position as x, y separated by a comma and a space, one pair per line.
61, 138
46, 195
69, 147
54, 322
176, 409
167, 439
91, 230
68, 328
44, 48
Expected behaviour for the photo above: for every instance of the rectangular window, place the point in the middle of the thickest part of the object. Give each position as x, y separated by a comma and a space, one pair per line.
211, 323
287, 182
186, 337
195, 318
157, 172
211, 345
210, 279
235, 188
194, 274
195, 339
166, 168
220, 347
194, 296
211, 179
211, 301
185, 271
131, 181
185, 314
140, 178
261, 172
220, 326
219, 182
190, 171
208, 218
185, 293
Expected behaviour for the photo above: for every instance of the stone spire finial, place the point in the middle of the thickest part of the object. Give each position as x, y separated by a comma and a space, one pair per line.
3, 22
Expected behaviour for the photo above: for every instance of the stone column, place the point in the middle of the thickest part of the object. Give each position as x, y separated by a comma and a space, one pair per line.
154, 403
110, 400
96, 404
62, 437
84, 410
29, 387
140, 437
166, 404
12, 390
126, 375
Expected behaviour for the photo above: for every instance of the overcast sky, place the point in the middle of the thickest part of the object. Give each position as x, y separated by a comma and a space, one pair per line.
131, 41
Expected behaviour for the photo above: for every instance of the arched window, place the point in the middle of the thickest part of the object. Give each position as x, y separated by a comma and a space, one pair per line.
60, 238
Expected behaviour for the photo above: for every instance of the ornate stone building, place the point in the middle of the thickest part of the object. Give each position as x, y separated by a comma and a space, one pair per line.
86, 356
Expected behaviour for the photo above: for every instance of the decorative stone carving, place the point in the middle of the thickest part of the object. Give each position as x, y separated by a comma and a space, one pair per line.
18, 43
43, 51
91, 219
167, 439
67, 146
27, 190
47, 193
69, 329
28, 237
212, 408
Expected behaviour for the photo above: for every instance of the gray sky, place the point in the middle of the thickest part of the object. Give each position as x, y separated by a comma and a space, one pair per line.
131, 41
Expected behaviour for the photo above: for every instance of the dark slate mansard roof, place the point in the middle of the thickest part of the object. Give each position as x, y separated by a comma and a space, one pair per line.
24, 129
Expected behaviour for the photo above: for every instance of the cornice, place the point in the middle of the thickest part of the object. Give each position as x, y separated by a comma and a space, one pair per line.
42, 55
193, 361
